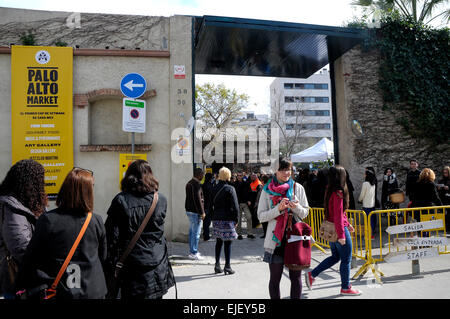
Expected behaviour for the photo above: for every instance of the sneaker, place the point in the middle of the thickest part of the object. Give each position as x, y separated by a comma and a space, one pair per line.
250, 236
196, 256
350, 292
309, 279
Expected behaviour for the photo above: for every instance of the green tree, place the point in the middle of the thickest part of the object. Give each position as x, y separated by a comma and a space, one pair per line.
216, 106
422, 11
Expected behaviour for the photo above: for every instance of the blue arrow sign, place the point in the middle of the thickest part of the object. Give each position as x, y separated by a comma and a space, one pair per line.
133, 85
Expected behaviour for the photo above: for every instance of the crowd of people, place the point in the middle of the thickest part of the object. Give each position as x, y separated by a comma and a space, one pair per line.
39, 248
35, 243
260, 199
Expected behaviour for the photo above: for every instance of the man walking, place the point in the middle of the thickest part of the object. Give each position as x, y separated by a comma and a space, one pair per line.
243, 193
195, 211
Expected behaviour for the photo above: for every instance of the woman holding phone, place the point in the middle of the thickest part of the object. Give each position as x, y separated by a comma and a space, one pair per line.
280, 196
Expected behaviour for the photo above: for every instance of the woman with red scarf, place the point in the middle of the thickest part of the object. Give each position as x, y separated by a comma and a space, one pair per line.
279, 197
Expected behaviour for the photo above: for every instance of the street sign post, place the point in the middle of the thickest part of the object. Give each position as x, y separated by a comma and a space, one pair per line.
412, 255
133, 115
417, 241
415, 254
133, 85
415, 227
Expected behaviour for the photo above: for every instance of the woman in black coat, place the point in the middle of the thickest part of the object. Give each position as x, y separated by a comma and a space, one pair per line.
444, 193
225, 208
146, 273
22, 201
54, 237
425, 192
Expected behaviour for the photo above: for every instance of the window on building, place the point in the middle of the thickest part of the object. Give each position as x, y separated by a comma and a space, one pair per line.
316, 113
290, 113
290, 126
307, 86
309, 126
306, 99
289, 99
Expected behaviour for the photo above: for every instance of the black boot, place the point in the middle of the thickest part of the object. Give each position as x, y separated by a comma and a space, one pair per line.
217, 268
227, 270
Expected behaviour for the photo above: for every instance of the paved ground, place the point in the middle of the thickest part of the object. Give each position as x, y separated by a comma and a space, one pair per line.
196, 279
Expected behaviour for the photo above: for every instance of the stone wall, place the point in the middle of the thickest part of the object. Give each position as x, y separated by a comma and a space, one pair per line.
384, 143
85, 30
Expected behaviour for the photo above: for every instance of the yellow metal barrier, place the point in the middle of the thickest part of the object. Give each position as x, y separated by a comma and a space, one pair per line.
382, 242
313, 218
372, 250
355, 217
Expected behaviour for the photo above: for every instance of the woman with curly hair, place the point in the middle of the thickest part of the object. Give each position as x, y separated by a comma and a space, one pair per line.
22, 201
146, 272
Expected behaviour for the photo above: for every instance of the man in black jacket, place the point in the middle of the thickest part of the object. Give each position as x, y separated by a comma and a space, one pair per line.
411, 178
195, 211
243, 194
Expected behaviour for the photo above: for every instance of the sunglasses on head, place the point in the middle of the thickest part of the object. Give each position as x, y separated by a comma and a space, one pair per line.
84, 169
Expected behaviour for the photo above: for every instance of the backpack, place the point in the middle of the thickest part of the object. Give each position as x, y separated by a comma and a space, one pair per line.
297, 254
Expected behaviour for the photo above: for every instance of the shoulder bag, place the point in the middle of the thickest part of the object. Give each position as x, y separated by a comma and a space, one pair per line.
297, 255
327, 231
43, 292
113, 283
214, 200
10, 261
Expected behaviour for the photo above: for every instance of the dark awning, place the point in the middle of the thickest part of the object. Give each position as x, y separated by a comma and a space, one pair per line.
235, 46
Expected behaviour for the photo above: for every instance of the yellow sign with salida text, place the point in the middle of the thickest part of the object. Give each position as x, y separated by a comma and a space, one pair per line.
42, 109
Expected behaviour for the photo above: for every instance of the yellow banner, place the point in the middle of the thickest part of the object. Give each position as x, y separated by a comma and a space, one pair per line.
42, 109
125, 160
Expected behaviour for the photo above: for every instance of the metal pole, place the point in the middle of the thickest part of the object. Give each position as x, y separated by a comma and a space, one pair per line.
132, 142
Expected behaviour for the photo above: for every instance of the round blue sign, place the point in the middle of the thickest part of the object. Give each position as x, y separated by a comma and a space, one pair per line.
133, 85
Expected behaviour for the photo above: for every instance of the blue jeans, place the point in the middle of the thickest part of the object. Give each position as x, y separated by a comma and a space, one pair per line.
342, 253
194, 231
373, 218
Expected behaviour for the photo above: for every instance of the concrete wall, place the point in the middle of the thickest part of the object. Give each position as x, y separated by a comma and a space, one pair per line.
100, 121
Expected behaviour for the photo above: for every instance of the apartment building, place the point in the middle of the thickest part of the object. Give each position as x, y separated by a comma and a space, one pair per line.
301, 108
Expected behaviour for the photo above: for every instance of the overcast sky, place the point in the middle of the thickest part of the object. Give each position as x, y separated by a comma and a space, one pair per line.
322, 12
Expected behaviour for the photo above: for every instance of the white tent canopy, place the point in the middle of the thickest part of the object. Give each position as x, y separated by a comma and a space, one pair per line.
321, 151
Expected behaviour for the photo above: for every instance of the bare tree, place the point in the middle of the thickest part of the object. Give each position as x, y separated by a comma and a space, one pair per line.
291, 131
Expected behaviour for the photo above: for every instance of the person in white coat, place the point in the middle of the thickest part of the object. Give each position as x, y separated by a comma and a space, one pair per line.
367, 198
279, 196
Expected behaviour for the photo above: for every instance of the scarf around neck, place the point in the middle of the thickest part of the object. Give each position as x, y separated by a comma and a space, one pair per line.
276, 193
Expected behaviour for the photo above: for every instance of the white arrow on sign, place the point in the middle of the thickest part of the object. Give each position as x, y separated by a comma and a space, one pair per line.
426, 241
411, 255
130, 85
413, 227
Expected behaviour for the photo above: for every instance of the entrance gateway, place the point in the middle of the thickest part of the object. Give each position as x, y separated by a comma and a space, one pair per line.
236, 46
167, 51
